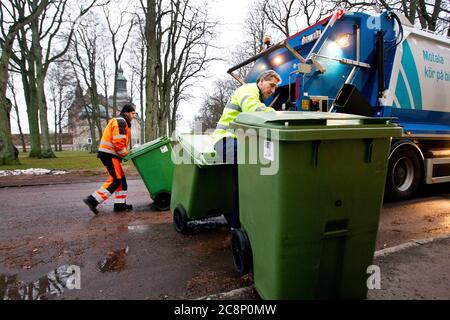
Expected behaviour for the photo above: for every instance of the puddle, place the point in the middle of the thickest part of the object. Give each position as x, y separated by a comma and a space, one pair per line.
207, 224
53, 283
139, 228
115, 261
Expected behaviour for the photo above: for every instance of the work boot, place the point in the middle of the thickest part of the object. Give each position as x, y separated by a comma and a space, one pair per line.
119, 207
92, 203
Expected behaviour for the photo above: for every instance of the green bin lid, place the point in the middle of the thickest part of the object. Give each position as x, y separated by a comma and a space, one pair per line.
305, 125
200, 147
146, 147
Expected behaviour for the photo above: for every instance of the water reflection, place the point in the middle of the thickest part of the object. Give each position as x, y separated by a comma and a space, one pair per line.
53, 283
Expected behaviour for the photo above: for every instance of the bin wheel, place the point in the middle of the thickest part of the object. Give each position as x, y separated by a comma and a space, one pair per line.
162, 201
180, 220
227, 217
242, 255
404, 174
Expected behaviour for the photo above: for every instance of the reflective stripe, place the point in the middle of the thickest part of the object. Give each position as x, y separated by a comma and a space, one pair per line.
97, 197
260, 108
107, 151
120, 136
120, 193
122, 152
244, 98
107, 144
120, 200
222, 127
233, 107
106, 192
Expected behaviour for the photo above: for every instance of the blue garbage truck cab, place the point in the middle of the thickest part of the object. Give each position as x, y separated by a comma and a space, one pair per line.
377, 65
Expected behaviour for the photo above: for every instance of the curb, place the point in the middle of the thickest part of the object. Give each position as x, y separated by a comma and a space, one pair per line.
380, 253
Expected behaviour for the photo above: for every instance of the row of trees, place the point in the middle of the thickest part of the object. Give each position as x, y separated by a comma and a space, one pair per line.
283, 18
58, 47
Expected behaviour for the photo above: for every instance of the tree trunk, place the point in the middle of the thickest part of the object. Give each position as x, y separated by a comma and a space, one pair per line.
16, 109
94, 145
55, 136
151, 103
7, 150
29, 88
114, 97
47, 151
141, 92
60, 119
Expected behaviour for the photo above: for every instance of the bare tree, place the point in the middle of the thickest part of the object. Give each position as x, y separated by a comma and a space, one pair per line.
431, 15
137, 65
281, 14
214, 103
184, 37
118, 49
19, 20
35, 56
62, 89
13, 91
152, 66
287, 16
89, 38
105, 75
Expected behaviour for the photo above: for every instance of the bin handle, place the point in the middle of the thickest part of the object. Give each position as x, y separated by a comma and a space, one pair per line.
335, 233
369, 150
316, 145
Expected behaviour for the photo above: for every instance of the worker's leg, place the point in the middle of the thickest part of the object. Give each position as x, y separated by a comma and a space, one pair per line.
120, 196
227, 152
114, 170
235, 223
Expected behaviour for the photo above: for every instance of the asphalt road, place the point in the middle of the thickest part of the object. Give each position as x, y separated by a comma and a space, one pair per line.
138, 255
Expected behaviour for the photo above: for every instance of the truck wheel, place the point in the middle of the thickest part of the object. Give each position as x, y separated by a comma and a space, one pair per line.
242, 255
180, 220
404, 174
162, 201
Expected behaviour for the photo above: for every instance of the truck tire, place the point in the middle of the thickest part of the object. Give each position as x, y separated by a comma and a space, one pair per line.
242, 254
180, 220
404, 174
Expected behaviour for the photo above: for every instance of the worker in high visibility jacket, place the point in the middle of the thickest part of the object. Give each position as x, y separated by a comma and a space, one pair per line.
247, 98
113, 147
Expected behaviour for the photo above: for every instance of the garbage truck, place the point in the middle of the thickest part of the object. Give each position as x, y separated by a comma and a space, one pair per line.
376, 65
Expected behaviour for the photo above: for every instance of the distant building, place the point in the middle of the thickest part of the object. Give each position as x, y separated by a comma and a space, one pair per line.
78, 124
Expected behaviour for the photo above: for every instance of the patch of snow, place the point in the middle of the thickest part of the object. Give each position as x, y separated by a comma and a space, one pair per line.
31, 172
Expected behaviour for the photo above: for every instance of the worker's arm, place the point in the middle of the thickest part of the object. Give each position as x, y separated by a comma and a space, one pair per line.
120, 137
251, 103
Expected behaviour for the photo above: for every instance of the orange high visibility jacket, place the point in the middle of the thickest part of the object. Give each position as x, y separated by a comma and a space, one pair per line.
116, 138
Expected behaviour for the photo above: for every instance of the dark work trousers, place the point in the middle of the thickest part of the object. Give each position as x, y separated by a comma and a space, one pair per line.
115, 185
227, 151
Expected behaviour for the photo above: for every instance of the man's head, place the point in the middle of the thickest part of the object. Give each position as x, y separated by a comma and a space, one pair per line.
267, 82
128, 111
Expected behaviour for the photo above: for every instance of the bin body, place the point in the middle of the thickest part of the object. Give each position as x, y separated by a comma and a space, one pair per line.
154, 164
202, 185
313, 237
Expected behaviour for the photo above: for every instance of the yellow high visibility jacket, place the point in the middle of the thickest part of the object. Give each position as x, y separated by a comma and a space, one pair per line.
116, 138
246, 98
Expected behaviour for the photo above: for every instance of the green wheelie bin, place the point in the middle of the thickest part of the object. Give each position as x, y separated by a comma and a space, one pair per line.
202, 185
322, 176
153, 162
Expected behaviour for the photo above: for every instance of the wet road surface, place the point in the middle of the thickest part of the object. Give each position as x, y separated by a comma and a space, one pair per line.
138, 255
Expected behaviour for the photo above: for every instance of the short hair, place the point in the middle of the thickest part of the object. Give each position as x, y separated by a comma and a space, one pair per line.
267, 75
